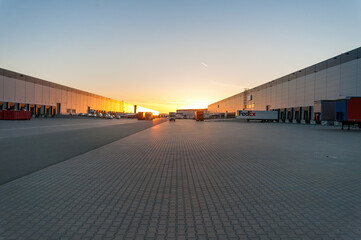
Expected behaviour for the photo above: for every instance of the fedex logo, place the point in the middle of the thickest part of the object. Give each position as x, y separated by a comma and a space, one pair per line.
247, 113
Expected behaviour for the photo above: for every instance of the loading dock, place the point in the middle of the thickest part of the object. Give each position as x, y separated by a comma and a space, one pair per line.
307, 113
298, 115
289, 115
283, 114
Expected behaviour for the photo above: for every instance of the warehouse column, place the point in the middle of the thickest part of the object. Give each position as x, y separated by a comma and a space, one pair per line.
302, 110
5, 105
34, 111
16, 106
293, 116
312, 120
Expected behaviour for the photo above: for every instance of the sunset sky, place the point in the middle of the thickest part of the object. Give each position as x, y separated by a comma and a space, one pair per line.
167, 55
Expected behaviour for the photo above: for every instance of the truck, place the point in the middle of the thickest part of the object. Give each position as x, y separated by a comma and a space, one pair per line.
199, 115
257, 115
348, 111
149, 116
172, 116
141, 115
145, 116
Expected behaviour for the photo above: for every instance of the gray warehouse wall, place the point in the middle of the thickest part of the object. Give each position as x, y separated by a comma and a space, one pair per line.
334, 78
20, 89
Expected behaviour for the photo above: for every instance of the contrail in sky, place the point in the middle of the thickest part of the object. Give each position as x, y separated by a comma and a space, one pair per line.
204, 64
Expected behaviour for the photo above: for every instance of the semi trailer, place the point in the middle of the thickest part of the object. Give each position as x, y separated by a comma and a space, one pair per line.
257, 115
348, 111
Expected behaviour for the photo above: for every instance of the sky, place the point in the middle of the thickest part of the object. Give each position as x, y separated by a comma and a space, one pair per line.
168, 55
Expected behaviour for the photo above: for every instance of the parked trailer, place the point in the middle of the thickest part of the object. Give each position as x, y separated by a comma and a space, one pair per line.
257, 115
324, 110
199, 115
348, 111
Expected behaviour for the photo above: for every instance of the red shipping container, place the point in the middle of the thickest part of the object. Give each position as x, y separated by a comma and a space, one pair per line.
354, 109
17, 115
9, 115
27, 115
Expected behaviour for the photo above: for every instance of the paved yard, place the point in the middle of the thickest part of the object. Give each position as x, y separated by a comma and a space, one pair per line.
28, 146
196, 180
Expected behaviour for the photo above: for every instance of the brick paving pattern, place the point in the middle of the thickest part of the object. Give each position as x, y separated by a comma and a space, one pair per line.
192, 180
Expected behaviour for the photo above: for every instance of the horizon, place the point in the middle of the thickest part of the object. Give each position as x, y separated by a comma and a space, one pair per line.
172, 55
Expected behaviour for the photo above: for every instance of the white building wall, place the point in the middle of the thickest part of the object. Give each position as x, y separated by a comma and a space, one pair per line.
278, 96
9, 89
262, 96
256, 99
284, 98
309, 89
333, 83
348, 82
52, 96
320, 85
73, 100
69, 100
273, 96
268, 96
30, 92
20, 91
38, 94
64, 101
292, 93
300, 92
58, 95
84, 102
46, 96
92, 102
79, 107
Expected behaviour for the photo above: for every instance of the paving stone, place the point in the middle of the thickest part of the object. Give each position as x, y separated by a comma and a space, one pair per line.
191, 180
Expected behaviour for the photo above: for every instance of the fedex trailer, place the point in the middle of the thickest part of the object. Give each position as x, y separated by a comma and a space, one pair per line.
257, 115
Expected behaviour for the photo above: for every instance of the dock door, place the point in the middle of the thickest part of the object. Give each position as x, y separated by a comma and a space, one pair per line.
58, 105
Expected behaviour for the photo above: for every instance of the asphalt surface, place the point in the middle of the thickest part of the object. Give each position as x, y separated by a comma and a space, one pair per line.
196, 180
27, 146
39, 126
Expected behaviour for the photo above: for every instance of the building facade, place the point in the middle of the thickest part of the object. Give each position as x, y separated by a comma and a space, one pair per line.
22, 92
294, 95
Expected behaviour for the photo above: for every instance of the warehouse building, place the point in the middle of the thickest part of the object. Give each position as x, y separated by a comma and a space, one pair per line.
295, 94
44, 98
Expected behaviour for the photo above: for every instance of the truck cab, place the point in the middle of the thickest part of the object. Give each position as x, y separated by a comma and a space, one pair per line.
172, 116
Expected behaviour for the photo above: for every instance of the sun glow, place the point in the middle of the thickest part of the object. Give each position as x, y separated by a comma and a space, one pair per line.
143, 109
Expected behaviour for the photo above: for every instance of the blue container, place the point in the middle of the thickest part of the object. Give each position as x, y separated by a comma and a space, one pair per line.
341, 110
